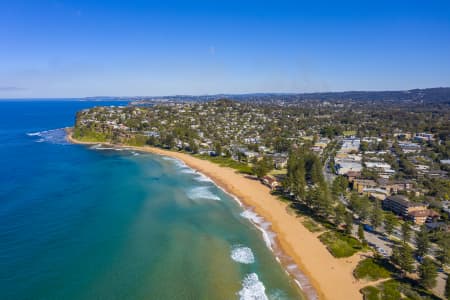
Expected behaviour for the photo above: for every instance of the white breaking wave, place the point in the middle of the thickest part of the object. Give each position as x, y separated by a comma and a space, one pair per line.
243, 255
53, 136
261, 224
252, 288
203, 178
186, 170
202, 192
101, 147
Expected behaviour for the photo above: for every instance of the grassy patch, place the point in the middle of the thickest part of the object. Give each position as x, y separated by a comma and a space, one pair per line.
395, 289
388, 290
228, 162
278, 172
311, 225
339, 244
349, 132
371, 269
87, 135
371, 293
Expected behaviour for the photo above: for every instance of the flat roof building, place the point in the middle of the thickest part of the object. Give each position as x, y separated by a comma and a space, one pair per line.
401, 205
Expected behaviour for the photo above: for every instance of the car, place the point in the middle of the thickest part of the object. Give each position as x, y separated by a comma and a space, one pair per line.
368, 228
385, 238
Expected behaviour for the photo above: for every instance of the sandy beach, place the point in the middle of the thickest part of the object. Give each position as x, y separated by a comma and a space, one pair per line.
331, 278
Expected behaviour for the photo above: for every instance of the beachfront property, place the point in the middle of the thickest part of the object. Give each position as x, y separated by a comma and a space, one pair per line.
401, 205
416, 212
421, 217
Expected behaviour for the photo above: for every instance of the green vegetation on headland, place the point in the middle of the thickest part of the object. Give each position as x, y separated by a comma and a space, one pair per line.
84, 135
87, 135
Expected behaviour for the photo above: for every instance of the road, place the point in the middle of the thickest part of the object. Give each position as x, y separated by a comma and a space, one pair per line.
327, 173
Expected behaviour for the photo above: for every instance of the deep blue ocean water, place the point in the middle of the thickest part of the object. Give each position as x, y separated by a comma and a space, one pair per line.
83, 223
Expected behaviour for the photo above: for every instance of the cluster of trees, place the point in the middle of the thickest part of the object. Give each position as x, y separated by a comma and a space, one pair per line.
367, 210
262, 166
306, 183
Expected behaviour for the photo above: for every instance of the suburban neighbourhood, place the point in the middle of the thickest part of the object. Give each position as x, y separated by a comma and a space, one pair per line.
371, 179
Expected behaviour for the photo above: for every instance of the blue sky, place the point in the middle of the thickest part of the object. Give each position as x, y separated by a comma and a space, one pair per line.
87, 48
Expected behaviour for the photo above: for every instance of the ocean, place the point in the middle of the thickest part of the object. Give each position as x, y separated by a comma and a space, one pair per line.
89, 222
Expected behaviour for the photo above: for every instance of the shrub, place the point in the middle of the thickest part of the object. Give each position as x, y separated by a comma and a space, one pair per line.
370, 293
340, 245
371, 269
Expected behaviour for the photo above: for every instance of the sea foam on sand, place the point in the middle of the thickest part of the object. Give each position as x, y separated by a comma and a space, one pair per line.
252, 288
261, 224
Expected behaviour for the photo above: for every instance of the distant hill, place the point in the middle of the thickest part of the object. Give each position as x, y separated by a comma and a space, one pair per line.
441, 94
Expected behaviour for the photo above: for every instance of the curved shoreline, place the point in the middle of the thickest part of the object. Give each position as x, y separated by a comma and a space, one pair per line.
330, 278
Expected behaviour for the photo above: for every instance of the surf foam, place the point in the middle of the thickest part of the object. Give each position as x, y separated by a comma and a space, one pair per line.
201, 193
52, 136
243, 255
262, 225
252, 288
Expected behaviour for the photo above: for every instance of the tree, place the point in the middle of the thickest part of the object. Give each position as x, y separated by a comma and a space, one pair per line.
218, 149
361, 232
323, 202
295, 179
406, 232
447, 287
376, 217
339, 214
262, 167
422, 241
402, 256
299, 181
348, 222
390, 221
444, 248
427, 273
360, 205
364, 146
316, 171
340, 184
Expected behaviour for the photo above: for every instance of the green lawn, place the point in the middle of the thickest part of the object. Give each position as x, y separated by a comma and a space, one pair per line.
339, 244
371, 269
278, 172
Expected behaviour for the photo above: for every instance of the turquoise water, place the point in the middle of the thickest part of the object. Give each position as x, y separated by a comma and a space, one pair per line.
80, 222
